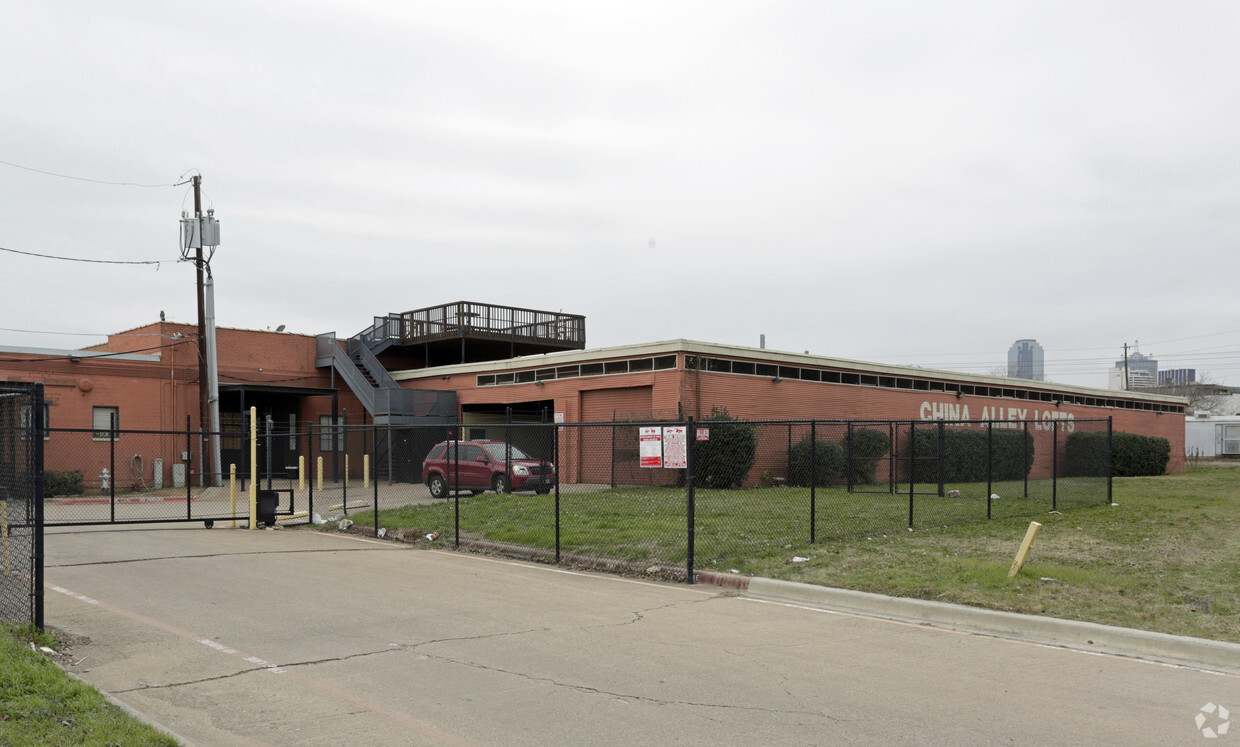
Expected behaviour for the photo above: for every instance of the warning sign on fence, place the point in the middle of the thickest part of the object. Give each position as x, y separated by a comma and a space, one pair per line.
663, 447
650, 451
675, 447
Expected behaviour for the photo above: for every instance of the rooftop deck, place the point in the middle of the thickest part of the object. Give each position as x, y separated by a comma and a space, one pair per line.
466, 331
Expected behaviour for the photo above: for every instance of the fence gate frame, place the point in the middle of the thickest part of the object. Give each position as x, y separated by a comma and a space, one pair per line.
21, 503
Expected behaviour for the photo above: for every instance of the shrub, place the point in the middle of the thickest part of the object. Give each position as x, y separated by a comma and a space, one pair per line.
1132, 455
1085, 454
964, 455
862, 448
825, 459
62, 483
725, 460
1136, 455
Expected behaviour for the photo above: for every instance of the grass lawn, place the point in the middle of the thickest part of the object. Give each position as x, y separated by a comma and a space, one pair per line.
41, 705
1165, 558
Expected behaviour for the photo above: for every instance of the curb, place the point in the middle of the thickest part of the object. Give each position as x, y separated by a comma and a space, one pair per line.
1073, 634
131, 711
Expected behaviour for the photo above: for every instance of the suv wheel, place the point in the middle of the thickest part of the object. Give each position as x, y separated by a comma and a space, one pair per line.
500, 484
439, 489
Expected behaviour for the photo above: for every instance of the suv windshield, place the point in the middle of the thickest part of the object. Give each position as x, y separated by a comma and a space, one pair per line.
497, 452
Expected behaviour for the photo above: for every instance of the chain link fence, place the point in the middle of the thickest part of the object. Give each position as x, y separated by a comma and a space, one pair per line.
652, 497
737, 491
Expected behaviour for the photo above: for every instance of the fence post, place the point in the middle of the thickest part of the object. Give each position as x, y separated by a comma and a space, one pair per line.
112, 435
453, 451
310, 481
374, 430
555, 459
37, 586
189, 460
891, 459
253, 468
1110, 457
201, 476
788, 456
508, 449
689, 480
613, 449
1055, 465
990, 450
267, 447
1024, 458
813, 480
848, 468
912, 467
942, 435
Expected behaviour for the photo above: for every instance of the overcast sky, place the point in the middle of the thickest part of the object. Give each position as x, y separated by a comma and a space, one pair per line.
900, 182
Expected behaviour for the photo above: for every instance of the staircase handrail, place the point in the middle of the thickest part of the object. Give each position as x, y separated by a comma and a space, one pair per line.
368, 361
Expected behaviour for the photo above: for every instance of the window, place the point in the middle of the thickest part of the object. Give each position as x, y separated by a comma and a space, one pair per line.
1231, 439
103, 419
292, 433
28, 422
328, 434
472, 453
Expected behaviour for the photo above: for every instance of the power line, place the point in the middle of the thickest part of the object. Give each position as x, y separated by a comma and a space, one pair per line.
49, 332
155, 262
85, 179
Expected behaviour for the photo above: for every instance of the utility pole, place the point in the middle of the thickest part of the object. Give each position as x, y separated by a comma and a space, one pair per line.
203, 381
1125, 367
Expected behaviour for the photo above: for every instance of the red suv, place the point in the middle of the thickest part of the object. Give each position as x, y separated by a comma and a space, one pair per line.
482, 466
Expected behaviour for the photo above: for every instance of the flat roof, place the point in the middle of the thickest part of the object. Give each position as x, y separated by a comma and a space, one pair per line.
68, 353
773, 356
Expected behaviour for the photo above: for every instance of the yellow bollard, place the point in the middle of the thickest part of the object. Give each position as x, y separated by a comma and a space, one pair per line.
320, 475
253, 468
365, 470
301, 473
232, 493
1025, 546
4, 533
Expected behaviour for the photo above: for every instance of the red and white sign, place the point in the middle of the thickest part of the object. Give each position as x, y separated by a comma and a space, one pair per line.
650, 447
675, 447
703, 434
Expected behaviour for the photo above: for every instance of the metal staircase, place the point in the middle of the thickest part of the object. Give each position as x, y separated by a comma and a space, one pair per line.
388, 404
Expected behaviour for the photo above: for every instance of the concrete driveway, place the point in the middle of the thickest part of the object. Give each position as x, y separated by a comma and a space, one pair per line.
295, 637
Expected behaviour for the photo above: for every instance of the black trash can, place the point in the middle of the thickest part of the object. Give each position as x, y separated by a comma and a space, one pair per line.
267, 501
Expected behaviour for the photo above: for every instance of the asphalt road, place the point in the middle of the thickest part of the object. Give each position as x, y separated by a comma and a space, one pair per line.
229, 636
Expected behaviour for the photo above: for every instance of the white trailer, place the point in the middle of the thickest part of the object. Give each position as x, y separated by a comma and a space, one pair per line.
1212, 436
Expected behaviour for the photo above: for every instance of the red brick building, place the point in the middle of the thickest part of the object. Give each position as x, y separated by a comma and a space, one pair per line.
473, 363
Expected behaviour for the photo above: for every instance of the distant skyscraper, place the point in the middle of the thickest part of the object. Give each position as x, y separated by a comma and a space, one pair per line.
1025, 361
1177, 377
1142, 372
